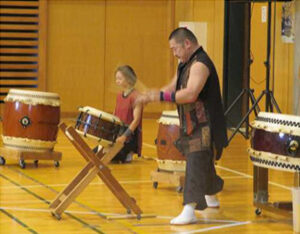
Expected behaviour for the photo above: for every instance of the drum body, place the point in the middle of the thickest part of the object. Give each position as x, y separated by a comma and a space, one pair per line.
169, 158
98, 125
275, 141
30, 120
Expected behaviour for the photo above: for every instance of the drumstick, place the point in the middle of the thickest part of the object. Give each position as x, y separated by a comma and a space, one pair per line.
139, 85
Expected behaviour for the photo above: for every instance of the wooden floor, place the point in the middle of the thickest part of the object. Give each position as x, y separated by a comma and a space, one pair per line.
25, 195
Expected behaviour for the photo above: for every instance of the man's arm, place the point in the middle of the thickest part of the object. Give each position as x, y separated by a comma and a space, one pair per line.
199, 73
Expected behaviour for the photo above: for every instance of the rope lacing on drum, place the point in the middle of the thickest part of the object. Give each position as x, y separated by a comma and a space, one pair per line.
98, 121
276, 164
115, 131
279, 121
32, 148
78, 121
86, 126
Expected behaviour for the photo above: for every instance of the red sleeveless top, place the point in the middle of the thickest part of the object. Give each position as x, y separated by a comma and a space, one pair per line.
124, 110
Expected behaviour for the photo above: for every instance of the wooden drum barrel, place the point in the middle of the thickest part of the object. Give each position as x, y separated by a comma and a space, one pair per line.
169, 158
98, 125
275, 141
30, 120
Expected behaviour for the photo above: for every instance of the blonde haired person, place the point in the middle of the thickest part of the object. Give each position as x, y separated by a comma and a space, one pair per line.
129, 113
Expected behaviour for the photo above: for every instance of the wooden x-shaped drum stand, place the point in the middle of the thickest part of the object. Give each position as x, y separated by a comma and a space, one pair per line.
96, 165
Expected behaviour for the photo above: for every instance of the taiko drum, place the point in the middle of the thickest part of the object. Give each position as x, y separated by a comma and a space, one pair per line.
98, 125
30, 120
275, 141
169, 158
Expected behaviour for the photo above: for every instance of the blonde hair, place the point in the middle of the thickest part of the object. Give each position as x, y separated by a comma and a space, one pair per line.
128, 73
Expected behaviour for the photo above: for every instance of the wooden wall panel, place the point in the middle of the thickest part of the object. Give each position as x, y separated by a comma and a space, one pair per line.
211, 12
75, 60
137, 34
87, 40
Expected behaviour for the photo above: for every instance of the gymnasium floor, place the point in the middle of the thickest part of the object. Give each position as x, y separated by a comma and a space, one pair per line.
25, 195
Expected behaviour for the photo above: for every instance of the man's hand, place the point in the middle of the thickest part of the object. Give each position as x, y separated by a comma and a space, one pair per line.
154, 95
142, 99
149, 96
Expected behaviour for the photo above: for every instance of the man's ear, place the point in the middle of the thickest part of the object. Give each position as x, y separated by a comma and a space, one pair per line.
187, 43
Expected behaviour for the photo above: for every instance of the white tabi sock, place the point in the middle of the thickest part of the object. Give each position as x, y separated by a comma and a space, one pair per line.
212, 201
187, 215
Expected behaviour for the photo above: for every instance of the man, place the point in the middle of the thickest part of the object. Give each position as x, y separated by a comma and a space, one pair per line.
196, 91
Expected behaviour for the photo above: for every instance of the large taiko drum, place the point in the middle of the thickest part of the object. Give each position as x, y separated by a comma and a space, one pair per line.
275, 141
98, 125
30, 120
169, 158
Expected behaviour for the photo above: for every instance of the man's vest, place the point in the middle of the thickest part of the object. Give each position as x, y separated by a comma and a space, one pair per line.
207, 107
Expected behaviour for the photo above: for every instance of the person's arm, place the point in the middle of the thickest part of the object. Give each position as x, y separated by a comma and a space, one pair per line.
137, 116
147, 97
199, 73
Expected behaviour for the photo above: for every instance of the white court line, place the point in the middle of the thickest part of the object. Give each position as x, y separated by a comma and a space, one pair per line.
149, 145
241, 175
110, 214
100, 183
48, 211
217, 227
63, 185
20, 201
148, 181
24, 209
251, 177
234, 171
233, 177
280, 185
205, 220
237, 172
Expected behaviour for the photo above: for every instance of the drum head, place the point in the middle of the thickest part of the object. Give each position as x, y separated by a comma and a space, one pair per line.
102, 114
169, 118
33, 97
274, 122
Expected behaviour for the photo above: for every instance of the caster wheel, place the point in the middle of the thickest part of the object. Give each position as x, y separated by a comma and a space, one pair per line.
155, 184
56, 163
2, 161
139, 217
258, 211
36, 163
179, 189
22, 163
57, 216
